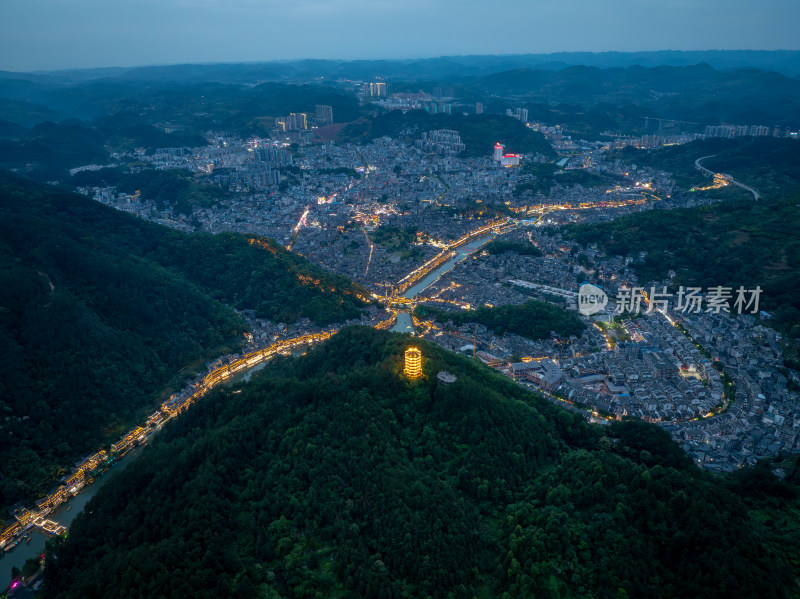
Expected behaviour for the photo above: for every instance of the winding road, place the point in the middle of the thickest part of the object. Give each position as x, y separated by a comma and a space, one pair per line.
701, 168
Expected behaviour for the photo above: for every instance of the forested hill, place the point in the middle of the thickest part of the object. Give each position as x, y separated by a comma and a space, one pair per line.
332, 475
100, 310
479, 133
533, 319
733, 243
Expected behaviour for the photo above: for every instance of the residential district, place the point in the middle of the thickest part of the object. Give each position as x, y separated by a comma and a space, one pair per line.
409, 219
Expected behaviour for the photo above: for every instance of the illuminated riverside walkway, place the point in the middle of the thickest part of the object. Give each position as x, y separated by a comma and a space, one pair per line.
219, 375
497, 227
11, 535
83, 474
222, 373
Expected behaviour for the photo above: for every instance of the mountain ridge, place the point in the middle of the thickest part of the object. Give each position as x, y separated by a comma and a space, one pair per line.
333, 475
101, 310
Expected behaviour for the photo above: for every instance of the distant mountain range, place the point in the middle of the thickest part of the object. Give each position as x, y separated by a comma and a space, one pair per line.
707, 88
786, 62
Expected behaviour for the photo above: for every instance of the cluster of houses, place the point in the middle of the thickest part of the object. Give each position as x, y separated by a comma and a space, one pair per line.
25, 519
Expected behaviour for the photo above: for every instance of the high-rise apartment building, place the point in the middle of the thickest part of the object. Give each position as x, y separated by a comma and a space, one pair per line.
377, 88
296, 121
324, 114
497, 156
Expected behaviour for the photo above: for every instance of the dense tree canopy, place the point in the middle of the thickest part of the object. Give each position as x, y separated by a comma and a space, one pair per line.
333, 475
478, 132
99, 311
518, 247
533, 319
733, 244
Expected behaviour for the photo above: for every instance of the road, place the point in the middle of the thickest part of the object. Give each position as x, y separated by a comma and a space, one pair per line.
217, 376
371, 247
701, 168
181, 401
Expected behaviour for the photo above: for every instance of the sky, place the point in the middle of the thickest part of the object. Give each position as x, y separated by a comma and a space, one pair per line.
59, 34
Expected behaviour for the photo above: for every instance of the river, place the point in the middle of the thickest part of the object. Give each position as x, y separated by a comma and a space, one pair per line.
404, 323
24, 551
18, 555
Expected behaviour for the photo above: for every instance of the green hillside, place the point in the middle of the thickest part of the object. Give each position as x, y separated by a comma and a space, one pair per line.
122, 116
533, 319
479, 133
730, 243
100, 310
698, 94
771, 165
547, 174
334, 476
132, 111
48, 150
498, 246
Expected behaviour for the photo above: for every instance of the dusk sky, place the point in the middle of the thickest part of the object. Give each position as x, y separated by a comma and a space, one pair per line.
56, 34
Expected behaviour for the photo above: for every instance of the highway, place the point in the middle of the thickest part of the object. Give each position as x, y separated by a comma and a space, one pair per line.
698, 165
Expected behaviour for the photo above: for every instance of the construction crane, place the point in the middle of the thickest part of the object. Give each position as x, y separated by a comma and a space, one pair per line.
473, 339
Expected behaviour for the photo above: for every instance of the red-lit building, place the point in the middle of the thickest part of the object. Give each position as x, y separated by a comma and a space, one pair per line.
498, 152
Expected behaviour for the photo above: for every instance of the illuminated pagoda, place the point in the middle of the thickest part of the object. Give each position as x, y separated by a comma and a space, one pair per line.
413, 365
